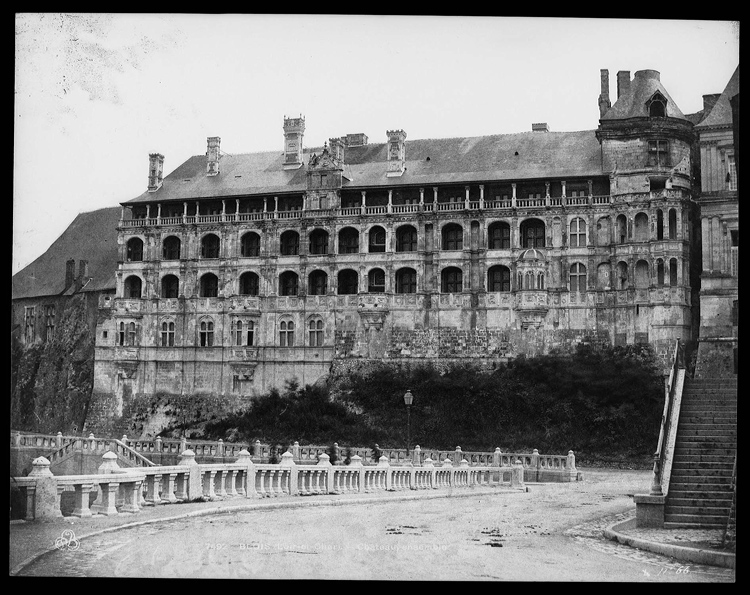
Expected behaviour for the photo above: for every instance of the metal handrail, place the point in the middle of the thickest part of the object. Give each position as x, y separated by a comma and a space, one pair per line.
678, 361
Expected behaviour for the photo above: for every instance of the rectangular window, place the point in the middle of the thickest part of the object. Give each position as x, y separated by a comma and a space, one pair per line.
731, 173
658, 153
28, 323
49, 317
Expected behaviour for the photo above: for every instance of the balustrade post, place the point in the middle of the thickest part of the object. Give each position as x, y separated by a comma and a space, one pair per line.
356, 464
295, 450
58, 439
153, 483
384, 463
516, 475
220, 448
416, 456
247, 485
44, 499
220, 479
131, 496
194, 479
82, 508
459, 455
108, 492
431, 467
288, 464
168, 488
534, 469
325, 461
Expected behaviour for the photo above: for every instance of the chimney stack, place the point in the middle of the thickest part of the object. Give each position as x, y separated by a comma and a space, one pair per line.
70, 272
294, 131
709, 101
336, 146
540, 127
212, 155
83, 273
604, 102
623, 83
155, 171
396, 153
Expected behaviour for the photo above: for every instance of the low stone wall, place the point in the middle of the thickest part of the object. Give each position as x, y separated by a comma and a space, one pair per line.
40, 495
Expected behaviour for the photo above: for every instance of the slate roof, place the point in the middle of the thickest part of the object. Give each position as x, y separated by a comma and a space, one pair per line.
92, 236
632, 104
721, 112
541, 155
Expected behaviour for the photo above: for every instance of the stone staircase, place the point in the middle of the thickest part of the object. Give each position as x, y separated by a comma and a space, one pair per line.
700, 485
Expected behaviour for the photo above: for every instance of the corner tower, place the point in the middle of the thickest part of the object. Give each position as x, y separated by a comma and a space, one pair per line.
645, 138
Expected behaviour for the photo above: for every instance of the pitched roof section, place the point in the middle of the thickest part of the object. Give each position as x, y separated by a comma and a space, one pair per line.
721, 112
91, 237
431, 161
632, 104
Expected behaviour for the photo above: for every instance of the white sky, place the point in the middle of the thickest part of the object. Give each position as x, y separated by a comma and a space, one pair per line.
96, 93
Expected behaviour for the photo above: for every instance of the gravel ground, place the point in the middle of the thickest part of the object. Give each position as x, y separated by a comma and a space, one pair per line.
553, 532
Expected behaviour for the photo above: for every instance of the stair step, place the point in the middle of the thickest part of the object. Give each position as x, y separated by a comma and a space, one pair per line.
709, 512
707, 432
688, 522
698, 451
703, 481
700, 495
705, 469
708, 503
702, 426
706, 442
702, 461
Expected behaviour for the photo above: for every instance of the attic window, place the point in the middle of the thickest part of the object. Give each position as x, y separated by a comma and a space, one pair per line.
427, 159
657, 106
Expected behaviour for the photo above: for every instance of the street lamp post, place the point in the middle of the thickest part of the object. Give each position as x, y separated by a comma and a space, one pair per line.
408, 399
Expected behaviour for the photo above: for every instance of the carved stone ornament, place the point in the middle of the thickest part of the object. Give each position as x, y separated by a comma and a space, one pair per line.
373, 318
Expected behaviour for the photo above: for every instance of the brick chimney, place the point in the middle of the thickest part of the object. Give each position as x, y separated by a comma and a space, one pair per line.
623, 83
358, 139
294, 132
70, 272
155, 171
604, 102
212, 155
709, 101
396, 153
540, 127
336, 148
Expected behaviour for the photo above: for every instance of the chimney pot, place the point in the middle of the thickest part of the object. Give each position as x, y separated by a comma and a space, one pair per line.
604, 102
70, 272
623, 83
540, 127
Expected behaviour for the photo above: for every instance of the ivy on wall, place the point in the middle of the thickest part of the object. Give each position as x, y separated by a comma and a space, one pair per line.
51, 382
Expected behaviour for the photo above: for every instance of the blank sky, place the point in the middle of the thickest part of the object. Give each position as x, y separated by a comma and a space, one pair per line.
96, 93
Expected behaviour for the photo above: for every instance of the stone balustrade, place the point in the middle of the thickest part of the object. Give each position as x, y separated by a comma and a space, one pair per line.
127, 490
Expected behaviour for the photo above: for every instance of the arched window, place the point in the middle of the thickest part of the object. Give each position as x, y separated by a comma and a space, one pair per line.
659, 272
209, 286
659, 224
673, 272
348, 282
622, 229
249, 283
657, 106
290, 243
376, 281
167, 333
250, 244
540, 280
577, 278
210, 246
672, 224
238, 332
132, 335
577, 237
453, 237
348, 241
622, 275
603, 232
171, 248
317, 283
377, 239
127, 335
286, 334
528, 280
250, 333
315, 333
170, 286
135, 250
641, 274
532, 233
406, 239
640, 228
451, 280
498, 278
133, 287
319, 241
498, 236
288, 283
206, 333
406, 280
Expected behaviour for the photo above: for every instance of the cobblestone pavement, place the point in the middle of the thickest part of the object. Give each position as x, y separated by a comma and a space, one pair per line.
552, 533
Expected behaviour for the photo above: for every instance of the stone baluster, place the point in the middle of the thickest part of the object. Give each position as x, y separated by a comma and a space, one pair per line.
358, 474
324, 463
168, 488
209, 491
58, 439
131, 493
153, 486
246, 484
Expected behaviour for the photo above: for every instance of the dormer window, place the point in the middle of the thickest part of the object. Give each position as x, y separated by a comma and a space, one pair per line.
657, 106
